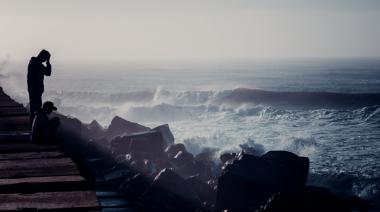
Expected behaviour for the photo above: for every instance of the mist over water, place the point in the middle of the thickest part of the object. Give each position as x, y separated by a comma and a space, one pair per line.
227, 106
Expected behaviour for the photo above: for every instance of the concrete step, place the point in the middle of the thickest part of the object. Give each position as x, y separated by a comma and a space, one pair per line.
32, 155
15, 123
63, 201
37, 168
12, 137
21, 147
43, 184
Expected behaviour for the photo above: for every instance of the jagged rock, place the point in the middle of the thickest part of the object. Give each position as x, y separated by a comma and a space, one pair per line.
227, 157
94, 131
120, 126
313, 199
297, 168
183, 158
173, 149
121, 145
203, 190
134, 187
147, 144
69, 125
249, 181
167, 135
203, 171
185, 164
114, 178
170, 192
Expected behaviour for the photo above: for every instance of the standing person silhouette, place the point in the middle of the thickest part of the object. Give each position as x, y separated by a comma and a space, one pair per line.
36, 72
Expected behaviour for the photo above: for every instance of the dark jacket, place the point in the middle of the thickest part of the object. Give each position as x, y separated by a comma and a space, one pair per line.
36, 72
40, 127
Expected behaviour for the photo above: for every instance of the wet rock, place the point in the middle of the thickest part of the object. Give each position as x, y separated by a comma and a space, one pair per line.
93, 131
68, 125
144, 166
203, 190
203, 171
184, 164
356, 204
170, 192
120, 126
297, 168
166, 134
183, 158
173, 149
120, 145
134, 186
145, 144
227, 157
114, 178
250, 180
312, 199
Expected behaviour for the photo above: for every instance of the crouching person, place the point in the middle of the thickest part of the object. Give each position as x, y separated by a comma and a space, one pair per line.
43, 129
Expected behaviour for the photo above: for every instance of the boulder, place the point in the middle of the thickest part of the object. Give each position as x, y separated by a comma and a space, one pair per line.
249, 181
120, 145
203, 190
93, 131
120, 126
114, 178
183, 158
170, 192
68, 125
184, 164
148, 144
173, 149
313, 199
135, 186
167, 135
227, 157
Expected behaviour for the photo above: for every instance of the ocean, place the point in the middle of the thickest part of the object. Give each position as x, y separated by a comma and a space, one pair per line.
327, 110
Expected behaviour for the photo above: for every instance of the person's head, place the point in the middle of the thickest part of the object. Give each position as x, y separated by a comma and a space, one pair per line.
48, 107
44, 55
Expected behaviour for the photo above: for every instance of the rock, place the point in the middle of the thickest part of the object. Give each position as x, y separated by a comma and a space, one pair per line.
312, 199
173, 149
94, 131
227, 157
203, 170
68, 125
114, 178
249, 181
170, 192
134, 187
167, 135
297, 167
120, 145
203, 190
120, 126
183, 158
147, 144
356, 204
185, 164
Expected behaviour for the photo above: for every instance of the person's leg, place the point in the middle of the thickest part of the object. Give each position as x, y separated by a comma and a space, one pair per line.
35, 103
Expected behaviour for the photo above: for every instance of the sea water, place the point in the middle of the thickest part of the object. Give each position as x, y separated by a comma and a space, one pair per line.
226, 106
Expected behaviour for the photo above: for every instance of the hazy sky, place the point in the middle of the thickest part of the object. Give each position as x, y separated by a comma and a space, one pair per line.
193, 29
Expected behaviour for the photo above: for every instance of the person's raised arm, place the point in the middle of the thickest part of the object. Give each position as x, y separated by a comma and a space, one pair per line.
47, 70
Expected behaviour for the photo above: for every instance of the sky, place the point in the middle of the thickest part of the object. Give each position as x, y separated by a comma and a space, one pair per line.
126, 30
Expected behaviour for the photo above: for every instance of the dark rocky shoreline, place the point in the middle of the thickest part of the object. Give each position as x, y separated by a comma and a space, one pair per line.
154, 173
